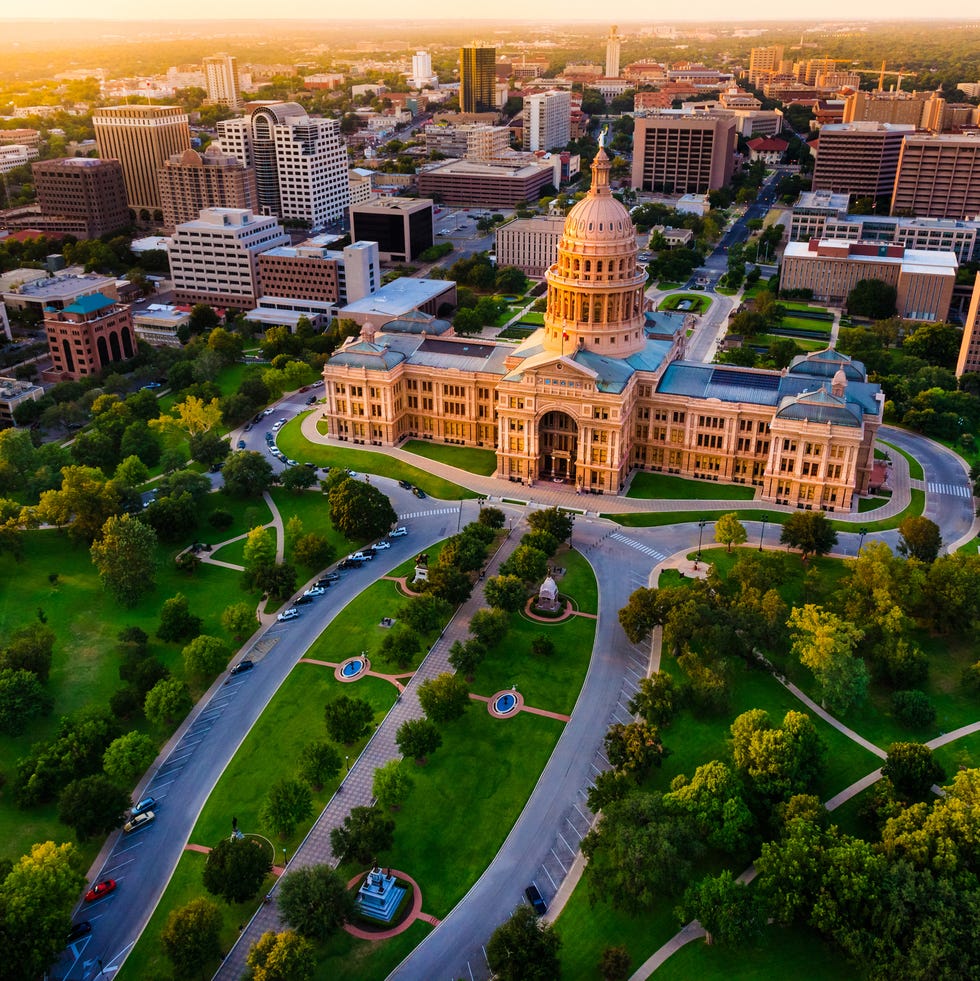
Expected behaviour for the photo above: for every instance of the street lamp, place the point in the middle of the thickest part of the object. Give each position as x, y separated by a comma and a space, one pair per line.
765, 519
701, 525
861, 533
285, 860
347, 763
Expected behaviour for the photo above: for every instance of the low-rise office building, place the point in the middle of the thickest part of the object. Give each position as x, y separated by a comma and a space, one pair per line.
402, 227
401, 298
57, 292
314, 271
87, 336
530, 244
13, 392
490, 184
158, 324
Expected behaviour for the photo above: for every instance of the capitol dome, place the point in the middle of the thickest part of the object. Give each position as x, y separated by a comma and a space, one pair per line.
596, 288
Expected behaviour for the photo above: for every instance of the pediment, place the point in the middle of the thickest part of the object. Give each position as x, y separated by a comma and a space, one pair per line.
557, 366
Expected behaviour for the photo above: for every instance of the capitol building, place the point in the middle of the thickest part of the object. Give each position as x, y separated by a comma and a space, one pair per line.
601, 389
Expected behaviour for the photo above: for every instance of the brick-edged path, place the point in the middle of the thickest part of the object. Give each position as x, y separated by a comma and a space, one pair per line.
355, 791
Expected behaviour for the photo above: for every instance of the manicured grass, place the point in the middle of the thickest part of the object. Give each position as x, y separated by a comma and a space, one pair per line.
312, 507
972, 546
516, 332
780, 953
407, 568
699, 302
292, 442
293, 718
658, 519
666, 284
803, 343
915, 468
668, 487
343, 957
805, 323
469, 458
578, 582
916, 505
866, 504
85, 660
147, 961
963, 752
533, 317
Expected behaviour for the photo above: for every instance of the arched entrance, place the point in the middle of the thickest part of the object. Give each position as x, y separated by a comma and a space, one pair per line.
557, 446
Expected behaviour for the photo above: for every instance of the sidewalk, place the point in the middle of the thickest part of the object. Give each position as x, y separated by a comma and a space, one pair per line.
547, 494
355, 791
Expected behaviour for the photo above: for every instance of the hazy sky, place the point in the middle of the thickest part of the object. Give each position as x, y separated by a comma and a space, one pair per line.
632, 11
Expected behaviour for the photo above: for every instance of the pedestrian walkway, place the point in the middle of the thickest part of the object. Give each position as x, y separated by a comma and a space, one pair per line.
356, 788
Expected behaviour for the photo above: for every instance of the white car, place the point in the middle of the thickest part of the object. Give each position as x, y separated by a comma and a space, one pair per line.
291, 614
400, 532
315, 591
380, 545
277, 426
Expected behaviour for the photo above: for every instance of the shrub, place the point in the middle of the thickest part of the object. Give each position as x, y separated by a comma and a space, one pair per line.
913, 709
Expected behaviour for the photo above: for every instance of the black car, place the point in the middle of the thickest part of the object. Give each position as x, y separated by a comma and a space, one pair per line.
312, 466
79, 930
257, 419
330, 577
418, 492
534, 898
348, 564
324, 583
302, 600
404, 484
246, 664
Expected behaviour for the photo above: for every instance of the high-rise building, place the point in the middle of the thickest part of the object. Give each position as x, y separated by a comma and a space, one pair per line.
613, 44
938, 176
477, 79
764, 62
88, 335
547, 120
141, 138
923, 110
678, 152
221, 80
969, 359
592, 396
300, 161
86, 197
214, 259
859, 158
191, 181
422, 73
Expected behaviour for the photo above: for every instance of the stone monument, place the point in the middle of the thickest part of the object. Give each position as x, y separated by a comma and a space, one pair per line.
379, 897
548, 596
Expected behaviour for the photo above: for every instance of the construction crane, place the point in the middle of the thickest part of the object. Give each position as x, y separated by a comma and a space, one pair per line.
881, 73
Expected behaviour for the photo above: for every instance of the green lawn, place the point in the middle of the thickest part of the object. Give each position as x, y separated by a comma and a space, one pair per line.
516, 332
657, 519
790, 322
343, 958
915, 468
147, 961
668, 487
85, 660
312, 508
699, 302
292, 442
578, 581
293, 718
533, 317
866, 504
803, 343
469, 458
666, 284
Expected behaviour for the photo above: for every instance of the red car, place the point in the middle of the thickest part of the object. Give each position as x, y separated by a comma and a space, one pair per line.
100, 889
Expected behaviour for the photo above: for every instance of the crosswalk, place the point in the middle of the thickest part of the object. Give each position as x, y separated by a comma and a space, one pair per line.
426, 514
954, 490
639, 546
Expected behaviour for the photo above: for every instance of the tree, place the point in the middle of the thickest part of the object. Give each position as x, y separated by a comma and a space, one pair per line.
527, 563
417, 739
92, 805
919, 539
391, 785
729, 530
203, 319
555, 521
82, 504
543, 541
22, 698
656, 699
166, 702
634, 748
506, 593
205, 656
287, 803
359, 510
466, 656
524, 949
315, 901
913, 709
247, 474
127, 757
712, 800
284, 956
297, 479
444, 697
425, 613
37, 897
449, 584
825, 644
810, 532
313, 551
872, 298
489, 627
131, 472
259, 552
29, 649
191, 937
236, 868
239, 620
912, 770
936, 344
615, 964
176, 620
319, 762
492, 517
365, 834
348, 718
400, 645
728, 910
172, 516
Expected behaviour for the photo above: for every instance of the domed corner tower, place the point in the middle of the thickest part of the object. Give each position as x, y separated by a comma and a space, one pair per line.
595, 289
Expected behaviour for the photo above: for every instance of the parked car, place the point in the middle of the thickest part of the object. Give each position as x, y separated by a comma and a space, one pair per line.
364, 556
79, 930
400, 532
418, 492
324, 583
329, 577
311, 400
241, 444
404, 484
381, 545
348, 564
142, 806
100, 889
534, 898
248, 427
277, 426
139, 821
315, 591
303, 600
257, 418
245, 664
291, 463
311, 466
291, 614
